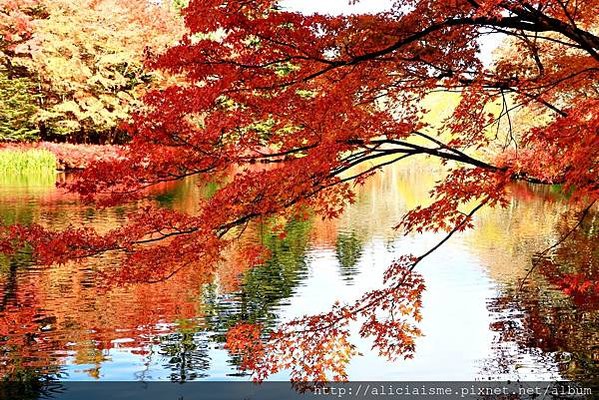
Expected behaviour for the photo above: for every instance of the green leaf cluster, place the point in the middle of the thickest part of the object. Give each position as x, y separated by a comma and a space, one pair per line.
18, 109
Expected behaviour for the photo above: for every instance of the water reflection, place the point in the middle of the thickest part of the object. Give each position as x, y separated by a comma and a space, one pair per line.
348, 248
555, 314
186, 354
61, 322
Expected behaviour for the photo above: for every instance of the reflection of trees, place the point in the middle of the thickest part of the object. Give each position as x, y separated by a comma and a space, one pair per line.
46, 310
255, 299
91, 317
184, 195
505, 239
22, 327
263, 287
186, 354
24, 339
556, 313
348, 250
43, 309
8, 269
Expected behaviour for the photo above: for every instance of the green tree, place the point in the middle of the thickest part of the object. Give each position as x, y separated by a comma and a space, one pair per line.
18, 108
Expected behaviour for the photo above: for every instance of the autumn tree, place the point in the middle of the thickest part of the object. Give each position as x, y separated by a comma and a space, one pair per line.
86, 59
288, 112
18, 107
16, 25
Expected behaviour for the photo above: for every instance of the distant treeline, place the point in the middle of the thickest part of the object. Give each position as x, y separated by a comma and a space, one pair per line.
73, 70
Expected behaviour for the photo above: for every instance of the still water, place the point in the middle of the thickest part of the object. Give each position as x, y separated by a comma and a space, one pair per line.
63, 322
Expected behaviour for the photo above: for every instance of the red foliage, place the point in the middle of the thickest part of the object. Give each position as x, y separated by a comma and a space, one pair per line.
79, 156
302, 107
73, 156
16, 22
316, 348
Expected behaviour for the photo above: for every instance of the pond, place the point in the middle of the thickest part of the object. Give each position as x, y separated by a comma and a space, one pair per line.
478, 323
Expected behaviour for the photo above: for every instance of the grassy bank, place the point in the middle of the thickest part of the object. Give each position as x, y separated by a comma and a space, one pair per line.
26, 161
32, 158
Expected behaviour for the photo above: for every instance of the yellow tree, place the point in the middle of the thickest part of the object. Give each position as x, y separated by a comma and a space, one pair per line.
88, 59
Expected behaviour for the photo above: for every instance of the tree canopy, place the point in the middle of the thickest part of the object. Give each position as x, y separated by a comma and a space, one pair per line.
85, 58
288, 112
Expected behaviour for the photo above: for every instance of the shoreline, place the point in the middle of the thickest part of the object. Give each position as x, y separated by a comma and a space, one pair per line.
68, 157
